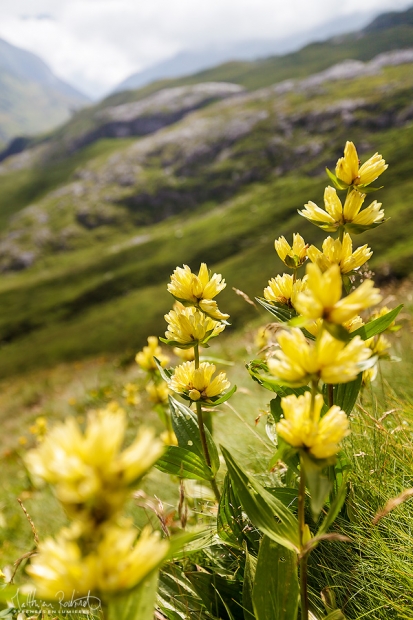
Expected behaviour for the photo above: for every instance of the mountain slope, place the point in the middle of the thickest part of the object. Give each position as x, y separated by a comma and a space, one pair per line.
32, 98
217, 186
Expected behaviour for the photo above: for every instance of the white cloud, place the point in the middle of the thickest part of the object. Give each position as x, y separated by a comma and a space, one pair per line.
96, 43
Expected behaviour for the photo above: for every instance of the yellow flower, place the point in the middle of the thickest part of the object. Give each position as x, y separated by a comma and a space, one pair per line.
169, 438
185, 354
348, 167
157, 392
315, 326
60, 567
117, 561
350, 215
39, 428
189, 326
322, 297
125, 561
283, 289
297, 361
89, 471
197, 383
293, 256
340, 253
369, 375
198, 290
145, 357
303, 428
130, 394
379, 345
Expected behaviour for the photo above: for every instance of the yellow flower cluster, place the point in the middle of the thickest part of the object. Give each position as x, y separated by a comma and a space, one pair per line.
299, 361
188, 327
302, 426
90, 471
100, 553
117, 561
336, 252
322, 296
350, 216
145, 357
336, 355
349, 171
284, 289
293, 256
198, 290
197, 383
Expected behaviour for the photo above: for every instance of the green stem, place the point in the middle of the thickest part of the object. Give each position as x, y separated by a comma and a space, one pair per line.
330, 395
314, 392
202, 433
303, 560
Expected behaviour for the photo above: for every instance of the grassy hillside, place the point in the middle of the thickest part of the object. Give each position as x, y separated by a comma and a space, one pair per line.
90, 239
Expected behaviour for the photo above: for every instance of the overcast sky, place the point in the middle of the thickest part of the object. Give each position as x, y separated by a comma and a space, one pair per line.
94, 44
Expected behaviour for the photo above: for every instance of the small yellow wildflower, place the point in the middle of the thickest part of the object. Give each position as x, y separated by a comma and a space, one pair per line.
23, 440
315, 326
197, 383
158, 392
370, 375
322, 296
379, 345
297, 362
350, 215
169, 438
284, 290
130, 394
340, 253
190, 326
198, 290
303, 428
145, 357
118, 561
39, 427
349, 171
185, 354
378, 313
89, 471
292, 256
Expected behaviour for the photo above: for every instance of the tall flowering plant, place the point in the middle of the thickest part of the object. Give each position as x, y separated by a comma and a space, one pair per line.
324, 349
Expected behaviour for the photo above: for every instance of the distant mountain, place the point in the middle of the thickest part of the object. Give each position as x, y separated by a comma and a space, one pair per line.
32, 98
390, 20
192, 61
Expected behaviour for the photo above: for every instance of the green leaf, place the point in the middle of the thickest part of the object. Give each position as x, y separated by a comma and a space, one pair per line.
318, 484
335, 615
337, 331
338, 183
247, 589
275, 594
166, 373
185, 425
176, 343
345, 394
222, 399
289, 497
138, 604
177, 597
265, 511
334, 510
232, 526
281, 311
377, 326
218, 593
184, 464
271, 384
357, 229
